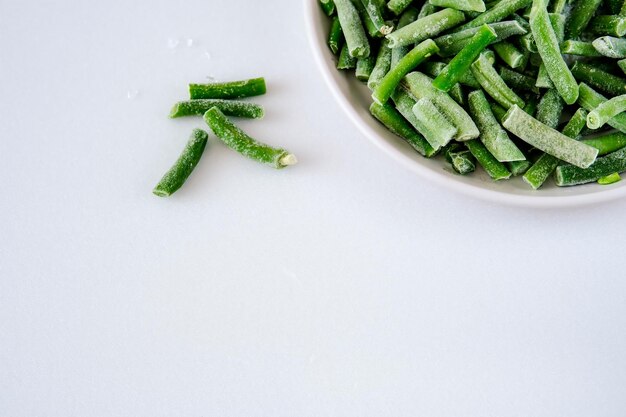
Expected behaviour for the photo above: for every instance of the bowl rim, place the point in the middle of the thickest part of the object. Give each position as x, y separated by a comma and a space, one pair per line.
314, 34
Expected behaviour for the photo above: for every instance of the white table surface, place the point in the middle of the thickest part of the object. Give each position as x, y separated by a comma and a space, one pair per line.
344, 286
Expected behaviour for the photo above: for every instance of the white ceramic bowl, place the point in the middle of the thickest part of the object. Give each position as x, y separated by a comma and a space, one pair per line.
354, 97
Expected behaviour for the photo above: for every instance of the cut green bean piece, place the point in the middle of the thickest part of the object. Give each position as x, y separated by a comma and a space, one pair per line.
496, 169
228, 90
543, 79
364, 68
599, 78
492, 135
453, 43
398, 6
335, 36
579, 48
373, 11
345, 61
557, 6
388, 84
497, 13
493, 84
464, 5
228, 107
461, 63
606, 111
544, 138
518, 168
607, 143
383, 63
392, 120
437, 130
509, 53
404, 104
550, 109
353, 31
611, 47
434, 69
590, 99
328, 6
613, 25
425, 27
426, 10
239, 141
461, 159
548, 47
420, 86
409, 16
568, 175
546, 164
528, 42
184, 166
610, 179
579, 18
517, 80
498, 111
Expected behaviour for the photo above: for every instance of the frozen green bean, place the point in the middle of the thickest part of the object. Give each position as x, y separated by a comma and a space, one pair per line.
228, 90
587, 49
328, 6
437, 130
228, 107
612, 25
509, 53
409, 16
590, 99
517, 80
461, 159
364, 68
579, 18
610, 179
398, 6
373, 11
599, 78
568, 175
335, 36
353, 30
425, 27
493, 84
453, 43
497, 13
607, 143
464, 5
606, 111
496, 169
345, 61
381, 68
611, 47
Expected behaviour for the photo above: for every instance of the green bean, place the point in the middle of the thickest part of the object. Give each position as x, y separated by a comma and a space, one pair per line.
420, 86
550, 109
518, 168
518, 81
611, 47
388, 84
548, 47
493, 84
509, 54
543, 79
353, 31
383, 63
571, 47
425, 27
345, 61
606, 111
364, 68
335, 36
544, 138
437, 130
228, 90
610, 179
598, 78
184, 166
497, 13
531, 105
457, 94
328, 6
398, 6
464, 5
398, 125
453, 43
228, 107
579, 18
496, 169
434, 69
622, 65
537, 175
607, 143
239, 141
590, 99
498, 111
528, 43
404, 104
373, 11
461, 159
461, 63
409, 16
567, 175
557, 6
495, 139
613, 25
426, 10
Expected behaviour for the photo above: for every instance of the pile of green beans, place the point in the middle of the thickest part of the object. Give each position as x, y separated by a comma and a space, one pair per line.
214, 102
522, 88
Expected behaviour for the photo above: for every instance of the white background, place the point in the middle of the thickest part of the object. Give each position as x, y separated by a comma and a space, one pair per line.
344, 286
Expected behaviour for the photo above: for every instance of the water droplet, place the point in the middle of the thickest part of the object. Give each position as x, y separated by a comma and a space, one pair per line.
173, 43
207, 54
132, 94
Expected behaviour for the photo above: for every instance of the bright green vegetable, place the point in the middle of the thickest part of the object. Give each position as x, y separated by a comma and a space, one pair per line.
461, 63
435, 68
542, 137
228, 107
184, 166
613, 25
587, 49
353, 31
518, 168
607, 143
611, 47
517, 80
383, 63
335, 36
453, 43
579, 18
590, 99
373, 11
397, 124
228, 90
550, 109
425, 27
328, 6
548, 47
610, 179
606, 111
509, 53
497, 13
388, 84
398, 6
345, 61
496, 169
461, 159
495, 139
464, 5
437, 130
426, 10
239, 141
493, 84
568, 175
409, 16
599, 78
